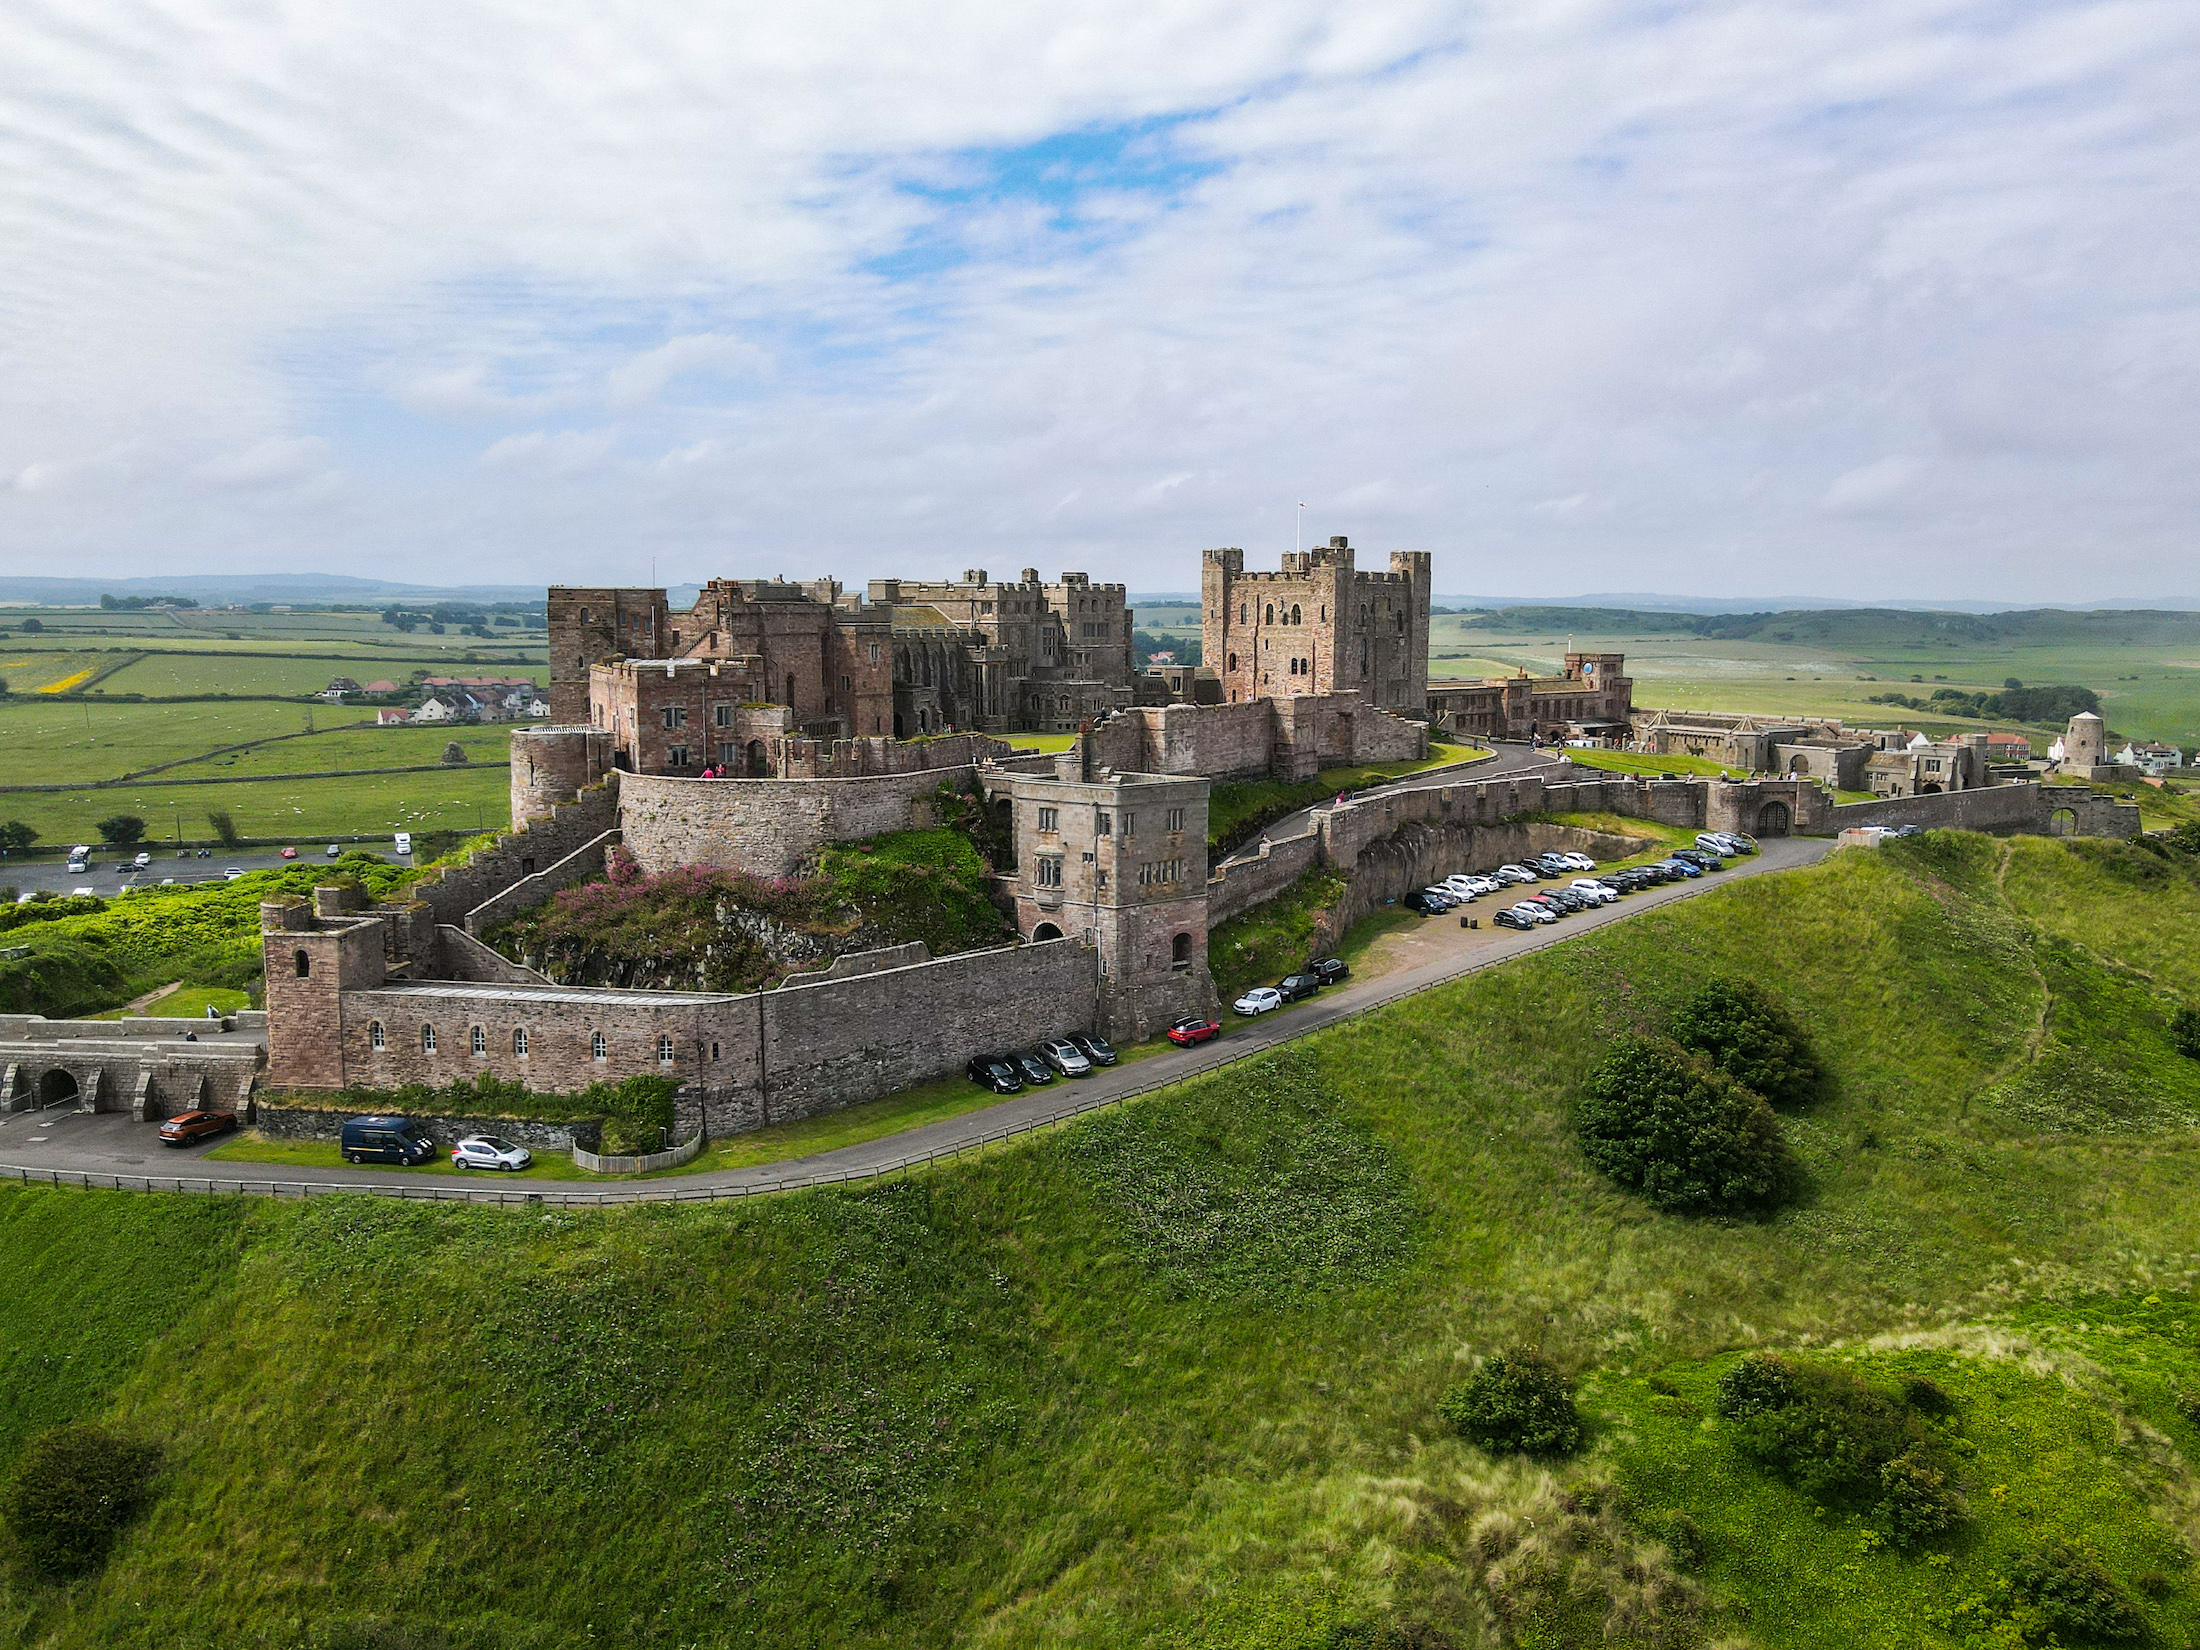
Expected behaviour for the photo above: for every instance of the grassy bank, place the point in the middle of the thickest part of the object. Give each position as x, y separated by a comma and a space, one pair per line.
1238, 808
1169, 1375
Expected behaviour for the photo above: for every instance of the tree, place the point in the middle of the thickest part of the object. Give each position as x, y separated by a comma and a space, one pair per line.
1689, 1138
33, 627
1516, 1403
224, 827
2184, 1032
1740, 1028
16, 837
2011, 682
74, 1490
120, 830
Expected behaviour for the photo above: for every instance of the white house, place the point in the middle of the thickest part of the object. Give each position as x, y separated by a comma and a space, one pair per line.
2150, 758
390, 717
433, 710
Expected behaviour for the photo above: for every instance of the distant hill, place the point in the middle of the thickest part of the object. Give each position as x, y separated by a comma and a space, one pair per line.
1862, 626
231, 589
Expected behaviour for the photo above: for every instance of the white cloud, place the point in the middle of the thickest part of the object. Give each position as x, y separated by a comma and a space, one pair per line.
1452, 273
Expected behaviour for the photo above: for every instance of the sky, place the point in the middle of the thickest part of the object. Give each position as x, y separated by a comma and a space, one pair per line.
1884, 299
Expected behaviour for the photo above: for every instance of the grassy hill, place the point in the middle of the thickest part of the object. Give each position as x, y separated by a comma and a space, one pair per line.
1170, 1376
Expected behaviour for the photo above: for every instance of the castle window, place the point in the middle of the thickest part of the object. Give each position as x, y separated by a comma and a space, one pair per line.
481, 1043
847, 683
427, 1039
519, 1041
597, 1048
1050, 819
1180, 952
1176, 819
664, 1050
1233, 661
722, 715
676, 716
1325, 613
375, 1038
1047, 873
874, 653
1102, 823
676, 756
303, 963
1241, 612
714, 1051
1294, 612
1268, 614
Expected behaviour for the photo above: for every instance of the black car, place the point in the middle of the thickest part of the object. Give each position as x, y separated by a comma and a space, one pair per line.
1510, 918
993, 1072
1295, 986
1701, 860
1572, 902
1421, 903
1032, 1067
1097, 1049
1328, 970
1549, 904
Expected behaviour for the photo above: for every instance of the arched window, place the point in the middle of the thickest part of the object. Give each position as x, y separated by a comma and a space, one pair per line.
664, 1050
427, 1039
1233, 661
481, 1042
1294, 612
519, 1041
304, 964
1180, 951
1325, 613
1268, 614
597, 1047
375, 1039
1241, 612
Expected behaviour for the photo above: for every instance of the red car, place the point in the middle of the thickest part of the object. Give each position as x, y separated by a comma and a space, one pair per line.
1194, 1030
196, 1125
290, 853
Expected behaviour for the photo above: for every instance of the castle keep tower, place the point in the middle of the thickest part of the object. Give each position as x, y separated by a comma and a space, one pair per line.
1318, 626
593, 626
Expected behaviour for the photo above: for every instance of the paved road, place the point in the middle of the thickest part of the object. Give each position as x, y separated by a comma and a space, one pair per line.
112, 1145
105, 874
1503, 760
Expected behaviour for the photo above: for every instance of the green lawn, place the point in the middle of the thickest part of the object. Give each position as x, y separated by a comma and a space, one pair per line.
1041, 741
254, 1147
1237, 808
303, 812
59, 741
236, 670
358, 748
1169, 1375
1651, 766
189, 1003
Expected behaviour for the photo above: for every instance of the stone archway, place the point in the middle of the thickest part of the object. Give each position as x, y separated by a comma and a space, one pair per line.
1045, 931
1799, 765
1773, 819
58, 1087
760, 760
2062, 822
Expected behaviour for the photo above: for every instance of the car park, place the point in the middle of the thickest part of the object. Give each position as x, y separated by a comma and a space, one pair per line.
1513, 919
490, 1151
1194, 1030
1679, 867
188, 1127
1032, 1068
1328, 970
1292, 987
1262, 999
1066, 1057
1094, 1047
993, 1072
385, 1140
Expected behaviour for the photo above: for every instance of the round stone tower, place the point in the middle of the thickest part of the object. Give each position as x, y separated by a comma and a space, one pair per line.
2085, 744
553, 765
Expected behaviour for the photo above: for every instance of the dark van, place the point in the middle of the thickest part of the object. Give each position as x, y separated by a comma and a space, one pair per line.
386, 1140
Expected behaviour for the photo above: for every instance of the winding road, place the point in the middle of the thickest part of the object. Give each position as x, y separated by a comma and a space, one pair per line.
110, 1149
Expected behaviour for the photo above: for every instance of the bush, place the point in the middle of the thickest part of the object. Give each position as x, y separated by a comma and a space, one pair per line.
1836, 1437
2075, 1593
454, 753
75, 1488
1516, 1403
1742, 1030
2184, 1032
1688, 1137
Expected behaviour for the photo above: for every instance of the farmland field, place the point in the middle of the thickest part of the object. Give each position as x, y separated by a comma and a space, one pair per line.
452, 799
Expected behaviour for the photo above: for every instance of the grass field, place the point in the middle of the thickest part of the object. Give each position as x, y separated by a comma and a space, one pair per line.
307, 810
1652, 766
1168, 1375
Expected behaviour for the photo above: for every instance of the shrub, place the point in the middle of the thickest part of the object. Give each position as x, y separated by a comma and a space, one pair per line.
2184, 1032
121, 829
74, 1490
2075, 1593
1689, 1138
1760, 1382
1926, 1396
1516, 1403
223, 827
1916, 1500
454, 753
1741, 1029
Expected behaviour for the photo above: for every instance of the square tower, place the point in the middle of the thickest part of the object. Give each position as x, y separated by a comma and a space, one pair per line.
1318, 625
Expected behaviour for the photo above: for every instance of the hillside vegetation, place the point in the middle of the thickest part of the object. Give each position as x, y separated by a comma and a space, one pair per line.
1179, 1374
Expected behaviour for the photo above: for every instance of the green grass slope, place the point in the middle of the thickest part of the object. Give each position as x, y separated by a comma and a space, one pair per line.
1169, 1376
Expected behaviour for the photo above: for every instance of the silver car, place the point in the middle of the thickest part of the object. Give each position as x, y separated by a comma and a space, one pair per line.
489, 1151
1066, 1057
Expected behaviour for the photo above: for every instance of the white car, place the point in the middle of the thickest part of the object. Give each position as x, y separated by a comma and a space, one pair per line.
1713, 843
1514, 875
143, 860
1459, 887
233, 873
404, 842
1534, 913
1595, 892
1260, 1000
1486, 885
488, 1151
1580, 862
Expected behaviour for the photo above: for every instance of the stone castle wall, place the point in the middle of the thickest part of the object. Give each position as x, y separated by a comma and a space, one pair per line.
769, 827
1262, 739
531, 847
1999, 809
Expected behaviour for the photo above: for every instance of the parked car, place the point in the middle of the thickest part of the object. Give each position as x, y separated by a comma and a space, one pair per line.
1262, 999
1594, 892
1677, 866
1537, 914
333, 850
1458, 888
206, 853
233, 873
385, 1140
1328, 970
489, 1151
78, 867
290, 853
1513, 919
1034, 1070
1579, 862
190, 1126
1515, 875
993, 1072
1545, 902
1698, 857
1193, 1030
1292, 987
1712, 843
1445, 899
1094, 1047
1484, 885
404, 842
1066, 1057
144, 859
1422, 903
1739, 841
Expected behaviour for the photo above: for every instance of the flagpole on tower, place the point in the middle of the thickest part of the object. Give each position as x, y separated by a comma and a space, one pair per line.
1298, 528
